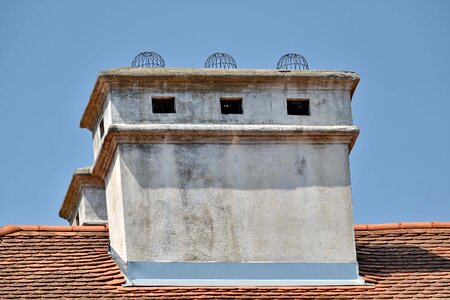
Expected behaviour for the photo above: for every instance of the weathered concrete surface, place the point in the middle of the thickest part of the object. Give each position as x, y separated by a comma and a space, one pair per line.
211, 80
231, 203
200, 186
254, 74
92, 207
82, 179
114, 201
260, 107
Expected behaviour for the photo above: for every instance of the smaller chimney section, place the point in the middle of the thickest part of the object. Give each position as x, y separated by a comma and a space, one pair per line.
85, 202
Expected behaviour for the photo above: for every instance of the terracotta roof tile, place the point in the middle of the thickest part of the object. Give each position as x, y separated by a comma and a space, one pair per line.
401, 261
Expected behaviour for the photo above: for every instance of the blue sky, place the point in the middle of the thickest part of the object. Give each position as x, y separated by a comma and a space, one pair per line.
52, 51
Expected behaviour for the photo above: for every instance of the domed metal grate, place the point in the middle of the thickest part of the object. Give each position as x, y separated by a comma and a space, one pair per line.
220, 61
148, 60
292, 61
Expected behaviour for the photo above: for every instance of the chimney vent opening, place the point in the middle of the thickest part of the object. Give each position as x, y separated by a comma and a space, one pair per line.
163, 105
102, 128
231, 106
299, 107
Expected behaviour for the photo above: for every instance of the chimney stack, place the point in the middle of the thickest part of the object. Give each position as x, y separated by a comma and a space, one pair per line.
223, 176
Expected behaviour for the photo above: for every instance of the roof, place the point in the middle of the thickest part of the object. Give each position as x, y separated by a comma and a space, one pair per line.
209, 79
403, 261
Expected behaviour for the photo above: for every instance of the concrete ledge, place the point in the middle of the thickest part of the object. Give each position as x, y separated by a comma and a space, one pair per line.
234, 128
210, 72
225, 134
217, 134
230, 134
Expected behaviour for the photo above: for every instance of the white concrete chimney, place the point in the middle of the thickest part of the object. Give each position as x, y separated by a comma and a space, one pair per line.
225, 177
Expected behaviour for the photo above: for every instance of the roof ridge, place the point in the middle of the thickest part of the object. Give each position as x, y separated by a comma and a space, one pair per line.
8, 229
401, 225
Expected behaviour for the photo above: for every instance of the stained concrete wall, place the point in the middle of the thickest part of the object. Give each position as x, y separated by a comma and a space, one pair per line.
114, 203
259, 107
231, 203
327, 107
92, 207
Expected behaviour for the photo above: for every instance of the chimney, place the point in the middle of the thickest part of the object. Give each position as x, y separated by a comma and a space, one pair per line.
223, 176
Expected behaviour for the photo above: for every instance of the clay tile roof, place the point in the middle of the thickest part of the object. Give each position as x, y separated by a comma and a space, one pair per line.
401, 261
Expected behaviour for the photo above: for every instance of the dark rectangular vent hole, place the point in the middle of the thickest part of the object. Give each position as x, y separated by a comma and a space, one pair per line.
102, 128
163, 105
299, 107
231, 106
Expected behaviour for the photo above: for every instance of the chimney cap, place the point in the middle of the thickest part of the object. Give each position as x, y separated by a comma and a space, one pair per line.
148, 60
220, 60
292, 61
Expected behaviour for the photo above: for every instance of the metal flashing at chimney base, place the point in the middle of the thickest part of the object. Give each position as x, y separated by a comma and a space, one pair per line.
237, 273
